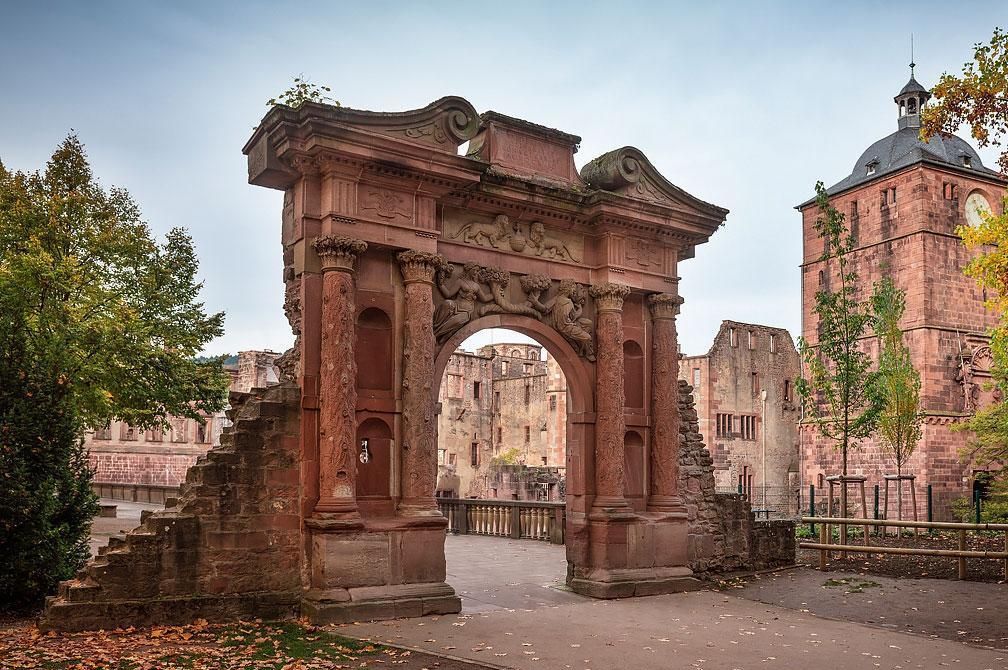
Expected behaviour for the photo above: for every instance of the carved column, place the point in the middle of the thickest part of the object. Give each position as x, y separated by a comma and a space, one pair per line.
419, 450
664, 404
610, 424
338, 380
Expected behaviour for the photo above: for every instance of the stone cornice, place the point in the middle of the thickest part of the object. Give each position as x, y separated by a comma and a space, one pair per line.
609, 296
420, 266
664, 305
337, 252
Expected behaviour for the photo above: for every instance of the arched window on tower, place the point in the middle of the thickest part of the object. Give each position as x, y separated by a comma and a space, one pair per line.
912, 106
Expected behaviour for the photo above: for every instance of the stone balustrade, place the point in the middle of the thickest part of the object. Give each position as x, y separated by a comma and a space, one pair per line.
517, 519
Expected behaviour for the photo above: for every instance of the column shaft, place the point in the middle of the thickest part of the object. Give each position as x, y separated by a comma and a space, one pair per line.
664, 404
338, 379
610, 424
418, 476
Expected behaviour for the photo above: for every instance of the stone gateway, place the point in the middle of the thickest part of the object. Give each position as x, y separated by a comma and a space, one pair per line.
396, 248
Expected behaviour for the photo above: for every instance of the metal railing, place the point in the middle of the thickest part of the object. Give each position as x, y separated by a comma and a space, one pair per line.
517, 519
826, 546
769, 502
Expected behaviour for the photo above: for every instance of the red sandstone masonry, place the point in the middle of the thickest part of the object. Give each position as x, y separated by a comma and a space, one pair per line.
231, 546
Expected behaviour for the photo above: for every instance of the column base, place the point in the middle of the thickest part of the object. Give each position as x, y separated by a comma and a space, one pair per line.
418, 508
376, 603
605, 508
609, 584
666, 505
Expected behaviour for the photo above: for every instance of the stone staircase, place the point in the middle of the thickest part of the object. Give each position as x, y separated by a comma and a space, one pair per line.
229, 546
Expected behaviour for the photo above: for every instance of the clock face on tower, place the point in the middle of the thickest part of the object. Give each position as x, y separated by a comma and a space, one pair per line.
976, 204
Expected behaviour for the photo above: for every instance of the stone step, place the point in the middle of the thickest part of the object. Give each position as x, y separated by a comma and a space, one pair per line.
82, 592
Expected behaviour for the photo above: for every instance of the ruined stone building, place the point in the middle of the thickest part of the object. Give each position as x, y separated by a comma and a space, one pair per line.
121, 454
903, 201
745, 360
502, 424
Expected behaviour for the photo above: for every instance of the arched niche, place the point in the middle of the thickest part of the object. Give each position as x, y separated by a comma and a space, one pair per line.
374, 351
633, 461
633, 375
374, 477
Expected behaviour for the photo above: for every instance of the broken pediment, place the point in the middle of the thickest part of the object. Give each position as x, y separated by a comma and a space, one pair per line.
444, 124
628, 172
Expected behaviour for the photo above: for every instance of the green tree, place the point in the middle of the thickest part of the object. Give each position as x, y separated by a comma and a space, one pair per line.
100, 321
838, 390
978, 98
898, 382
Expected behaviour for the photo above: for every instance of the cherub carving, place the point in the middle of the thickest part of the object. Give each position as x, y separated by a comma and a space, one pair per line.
563, 313
461, 299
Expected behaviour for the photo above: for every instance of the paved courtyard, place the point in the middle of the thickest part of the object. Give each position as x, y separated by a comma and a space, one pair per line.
517, 614
514, 616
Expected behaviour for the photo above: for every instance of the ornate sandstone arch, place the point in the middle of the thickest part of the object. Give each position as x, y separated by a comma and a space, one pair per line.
382, 213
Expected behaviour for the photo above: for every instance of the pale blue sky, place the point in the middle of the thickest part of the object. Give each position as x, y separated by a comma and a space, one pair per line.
742, 104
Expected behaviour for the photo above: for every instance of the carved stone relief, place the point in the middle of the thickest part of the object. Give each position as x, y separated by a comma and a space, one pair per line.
289, 363
385, 203
975, 377
531, 240
476, 291
642, 253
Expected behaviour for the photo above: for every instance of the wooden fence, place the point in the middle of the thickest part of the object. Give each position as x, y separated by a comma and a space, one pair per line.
825, 544
517, 519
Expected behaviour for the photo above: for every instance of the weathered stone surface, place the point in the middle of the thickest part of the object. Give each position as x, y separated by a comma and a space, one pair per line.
722, 533
230, 546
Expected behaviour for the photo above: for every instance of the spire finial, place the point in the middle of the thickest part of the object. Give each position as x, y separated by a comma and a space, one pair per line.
912, 64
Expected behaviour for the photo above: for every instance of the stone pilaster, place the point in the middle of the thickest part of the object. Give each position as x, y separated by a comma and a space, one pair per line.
610, 424
664, 494
338, 380
419, 450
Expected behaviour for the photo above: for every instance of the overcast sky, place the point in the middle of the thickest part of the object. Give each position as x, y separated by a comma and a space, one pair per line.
744, 105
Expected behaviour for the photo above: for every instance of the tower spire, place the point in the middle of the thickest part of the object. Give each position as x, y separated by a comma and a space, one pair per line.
912, 63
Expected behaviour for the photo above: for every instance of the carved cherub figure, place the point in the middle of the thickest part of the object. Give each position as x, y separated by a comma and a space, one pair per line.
563, 313
462, 299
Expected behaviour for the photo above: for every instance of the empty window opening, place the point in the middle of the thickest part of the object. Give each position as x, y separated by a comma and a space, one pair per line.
731, 337
773, 343
474, 454
528, 434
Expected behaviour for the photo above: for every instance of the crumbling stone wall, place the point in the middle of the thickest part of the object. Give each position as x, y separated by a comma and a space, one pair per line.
723, 535
230, 546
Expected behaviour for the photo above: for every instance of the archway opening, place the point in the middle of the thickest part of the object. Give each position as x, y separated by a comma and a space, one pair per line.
506, 454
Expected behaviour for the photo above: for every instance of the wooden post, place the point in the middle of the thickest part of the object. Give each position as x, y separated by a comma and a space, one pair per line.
962, 559
864, 512
913, 501
885, 511
1006, 557
824, 539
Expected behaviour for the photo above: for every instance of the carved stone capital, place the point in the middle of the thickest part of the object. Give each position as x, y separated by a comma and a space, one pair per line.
420, 266
609, 296
664, 305
338, 253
